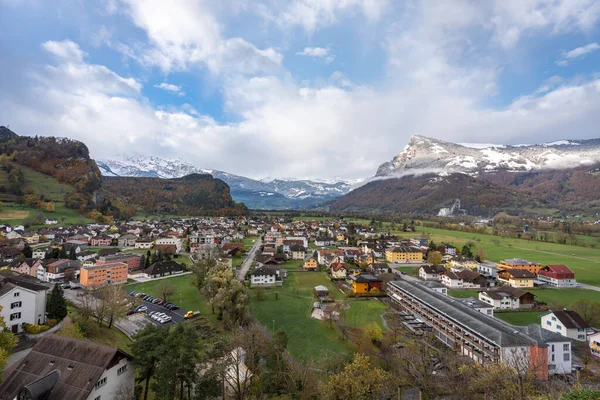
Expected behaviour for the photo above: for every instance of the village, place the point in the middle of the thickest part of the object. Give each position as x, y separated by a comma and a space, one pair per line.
323, 282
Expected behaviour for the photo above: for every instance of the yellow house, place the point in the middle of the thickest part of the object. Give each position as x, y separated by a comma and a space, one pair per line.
366, 259
340, 236
518, 278
465, 263
403, 255
32, 238
364, 283
310, 263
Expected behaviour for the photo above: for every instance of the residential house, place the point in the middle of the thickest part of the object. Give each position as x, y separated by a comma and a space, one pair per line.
338, 270
378, 268
170, 240
488, 269
26, 266
481, 337
40, 252
266, 276
232, 248
517, 277
163, 268
352, 255
436, 286
58, 270
507, 298
237, 376
127, 241
558, 276
463, 279
327, 257
298, 252
101, 241
86, 255
431, 272
51, 221
463, 262
63, 368
310, 263
404, 254
145, 244
324, 241
169, 249
366, 259
364, 283
449, 250
22, 301
105, 274
31, 237
519, 263
566, 322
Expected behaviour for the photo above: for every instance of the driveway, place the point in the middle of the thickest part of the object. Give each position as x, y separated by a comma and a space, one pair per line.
248, 261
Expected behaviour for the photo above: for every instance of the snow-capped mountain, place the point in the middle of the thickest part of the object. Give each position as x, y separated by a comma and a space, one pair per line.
264, 193
426, 155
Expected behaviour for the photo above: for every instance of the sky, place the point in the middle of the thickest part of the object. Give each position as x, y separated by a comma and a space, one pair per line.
298, 88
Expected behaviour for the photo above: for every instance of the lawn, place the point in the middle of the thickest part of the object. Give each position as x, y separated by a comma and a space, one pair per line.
412, 271
520, 318
310, 339
584, 261
186, 295
293, 265
102, 335
461, 294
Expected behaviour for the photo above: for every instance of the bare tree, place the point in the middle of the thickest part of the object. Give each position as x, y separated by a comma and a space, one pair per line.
123, 392
166, 290
113, 304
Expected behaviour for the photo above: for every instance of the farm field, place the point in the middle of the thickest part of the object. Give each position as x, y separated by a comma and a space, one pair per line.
584, 261
186, 295
310, 339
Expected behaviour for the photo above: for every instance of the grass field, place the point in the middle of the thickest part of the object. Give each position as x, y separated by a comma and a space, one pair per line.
565, 297
102, 335
186, 295
520, 318
310, 339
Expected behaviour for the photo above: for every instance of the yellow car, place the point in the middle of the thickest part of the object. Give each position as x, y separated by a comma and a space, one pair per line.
191, 314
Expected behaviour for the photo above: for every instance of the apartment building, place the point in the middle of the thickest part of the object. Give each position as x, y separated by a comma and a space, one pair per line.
106, 274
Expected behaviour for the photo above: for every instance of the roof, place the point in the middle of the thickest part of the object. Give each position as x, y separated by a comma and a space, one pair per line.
107, 265
518, 261
264, 271
8, 284
520, 273
163, 267
570, 319
495, 330
499, 292
559, 268
433, 269
364, 278
81, 363
336, 266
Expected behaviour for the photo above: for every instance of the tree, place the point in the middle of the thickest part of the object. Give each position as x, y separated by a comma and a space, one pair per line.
588, 310
434, 257
359, 380
146, 351
70, 329
49, 207
200, 270
373, 332
466, 251
165, 290
147, 259
481, 256
27, 251
56, 306
8, 341
113, 303
72, 253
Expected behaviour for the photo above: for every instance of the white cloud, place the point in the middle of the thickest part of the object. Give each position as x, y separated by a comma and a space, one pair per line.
65, 50
184, 33
317, 52
171, 88
578, 52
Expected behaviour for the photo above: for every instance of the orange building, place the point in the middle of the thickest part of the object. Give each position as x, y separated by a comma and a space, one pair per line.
100, 275
519, 263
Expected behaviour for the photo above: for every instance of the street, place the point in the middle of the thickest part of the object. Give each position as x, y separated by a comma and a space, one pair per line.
248, 261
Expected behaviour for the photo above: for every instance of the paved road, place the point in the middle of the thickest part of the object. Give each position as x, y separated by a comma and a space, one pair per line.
590, 287
16, 357
248, 261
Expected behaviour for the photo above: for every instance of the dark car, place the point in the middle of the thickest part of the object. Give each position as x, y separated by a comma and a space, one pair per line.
133, 293
160, 302
130, 312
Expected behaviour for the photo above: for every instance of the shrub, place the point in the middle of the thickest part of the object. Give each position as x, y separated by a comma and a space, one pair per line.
34, 329
52, 323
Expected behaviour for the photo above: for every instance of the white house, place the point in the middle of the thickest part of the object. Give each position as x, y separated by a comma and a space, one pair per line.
101, 372
51, 221
507, 298
265, 277
488, 269
169, 241
22, 301
324, 241
431, 272
478, 305
558, 276
559, 358
594, 340
568, 323
39, 253
144, 244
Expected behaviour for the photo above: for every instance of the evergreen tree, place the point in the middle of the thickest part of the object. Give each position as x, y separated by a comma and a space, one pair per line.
62, 253
56, 306
72, 254
27, 252
146, 351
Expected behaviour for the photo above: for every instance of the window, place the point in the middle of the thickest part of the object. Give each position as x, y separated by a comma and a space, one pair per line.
15, 316
552, 348
553, 318
552, 357
548, 323
16, 304
566, 347
16, 294
100, 383
121, 370
558, 327
580, 336
97, 398
567, 357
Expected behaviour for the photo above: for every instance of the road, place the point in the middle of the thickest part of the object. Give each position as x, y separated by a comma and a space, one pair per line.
590, 287
248, 261
16, 357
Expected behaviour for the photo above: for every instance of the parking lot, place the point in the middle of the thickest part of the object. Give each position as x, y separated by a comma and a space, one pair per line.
175, 315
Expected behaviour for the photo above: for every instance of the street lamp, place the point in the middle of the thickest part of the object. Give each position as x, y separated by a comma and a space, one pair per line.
273, 326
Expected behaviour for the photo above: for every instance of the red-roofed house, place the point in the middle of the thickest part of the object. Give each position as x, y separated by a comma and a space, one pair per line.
338, 270
557, 275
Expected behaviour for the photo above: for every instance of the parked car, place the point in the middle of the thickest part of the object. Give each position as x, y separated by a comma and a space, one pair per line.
141, 308
191, 314
155, 301
132, 293
160, 302
66, 286
165, 320
130, 312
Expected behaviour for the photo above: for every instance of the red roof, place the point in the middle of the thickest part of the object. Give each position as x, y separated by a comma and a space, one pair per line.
336, 266
557, 271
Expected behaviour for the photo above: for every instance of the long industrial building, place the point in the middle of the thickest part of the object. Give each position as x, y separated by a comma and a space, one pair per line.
483, 338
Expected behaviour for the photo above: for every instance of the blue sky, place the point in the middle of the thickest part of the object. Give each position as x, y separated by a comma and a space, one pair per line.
304, 88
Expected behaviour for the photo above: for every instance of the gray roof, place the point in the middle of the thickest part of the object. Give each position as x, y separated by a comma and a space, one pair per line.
495, 330
8, 284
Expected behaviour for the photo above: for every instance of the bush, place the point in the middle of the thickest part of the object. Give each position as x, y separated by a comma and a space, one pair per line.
52, 323
34, 329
